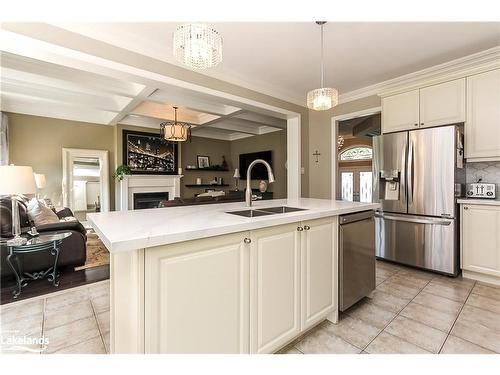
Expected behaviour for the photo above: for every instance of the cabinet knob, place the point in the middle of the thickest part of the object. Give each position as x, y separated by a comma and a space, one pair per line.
421, 124
247, 240
415, 124
300, 229
307, 227
466, 208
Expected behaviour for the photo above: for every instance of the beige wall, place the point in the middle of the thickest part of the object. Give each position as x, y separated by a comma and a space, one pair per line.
276, 142
38, 142
320, 139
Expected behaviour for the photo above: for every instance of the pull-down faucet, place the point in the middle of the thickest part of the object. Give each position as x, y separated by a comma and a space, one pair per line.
270, 176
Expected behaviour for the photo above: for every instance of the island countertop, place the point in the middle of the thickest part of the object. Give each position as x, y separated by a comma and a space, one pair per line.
131, 230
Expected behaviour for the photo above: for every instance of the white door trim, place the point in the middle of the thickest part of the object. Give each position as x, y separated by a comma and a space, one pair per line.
68, 155
334, 124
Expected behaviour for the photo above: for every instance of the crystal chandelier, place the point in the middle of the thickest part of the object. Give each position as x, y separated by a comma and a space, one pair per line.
325, 97
175, 131
197, 45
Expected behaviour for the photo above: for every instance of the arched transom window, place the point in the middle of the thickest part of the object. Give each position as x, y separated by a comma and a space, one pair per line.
356, 153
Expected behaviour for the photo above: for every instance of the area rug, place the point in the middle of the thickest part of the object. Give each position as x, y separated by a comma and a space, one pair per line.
97, 254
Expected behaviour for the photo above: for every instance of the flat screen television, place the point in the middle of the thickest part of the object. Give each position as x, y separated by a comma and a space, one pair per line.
259, 171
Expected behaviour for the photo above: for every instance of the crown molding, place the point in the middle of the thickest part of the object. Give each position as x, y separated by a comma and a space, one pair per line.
465, 66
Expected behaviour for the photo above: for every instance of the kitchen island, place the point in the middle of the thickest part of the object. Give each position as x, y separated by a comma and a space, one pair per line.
197, 279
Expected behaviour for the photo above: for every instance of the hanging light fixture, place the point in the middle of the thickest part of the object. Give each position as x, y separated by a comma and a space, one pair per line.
197, 45
340, 142
325, 97
175, 131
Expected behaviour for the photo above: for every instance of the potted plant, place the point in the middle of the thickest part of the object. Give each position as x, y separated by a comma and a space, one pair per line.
121, 171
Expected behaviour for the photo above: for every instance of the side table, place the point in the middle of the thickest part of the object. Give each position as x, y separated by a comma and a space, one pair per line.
45, 242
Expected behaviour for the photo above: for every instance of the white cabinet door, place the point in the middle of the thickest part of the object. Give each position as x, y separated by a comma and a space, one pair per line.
442, 104
482, 129
481, 239
197, 296
318, 270
400, 112
275, 287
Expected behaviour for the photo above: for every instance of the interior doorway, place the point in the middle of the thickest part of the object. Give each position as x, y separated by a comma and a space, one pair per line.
354, 180
85, 181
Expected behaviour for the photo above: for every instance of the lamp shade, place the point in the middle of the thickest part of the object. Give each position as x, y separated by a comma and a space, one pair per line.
40, 180
17, 180
236, 173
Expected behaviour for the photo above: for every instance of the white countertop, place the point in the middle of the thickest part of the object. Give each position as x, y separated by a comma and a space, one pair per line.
131, 230
488, 202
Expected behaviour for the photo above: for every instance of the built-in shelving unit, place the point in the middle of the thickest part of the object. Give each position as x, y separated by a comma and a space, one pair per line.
206, 185
206, 169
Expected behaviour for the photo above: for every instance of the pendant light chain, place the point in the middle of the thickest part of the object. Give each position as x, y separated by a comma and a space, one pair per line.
322, 62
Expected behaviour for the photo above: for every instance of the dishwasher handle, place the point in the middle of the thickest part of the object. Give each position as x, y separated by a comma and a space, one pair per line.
357, 216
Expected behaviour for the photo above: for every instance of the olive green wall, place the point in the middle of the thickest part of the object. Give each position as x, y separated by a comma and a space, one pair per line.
276, 142
38, 142
320, 138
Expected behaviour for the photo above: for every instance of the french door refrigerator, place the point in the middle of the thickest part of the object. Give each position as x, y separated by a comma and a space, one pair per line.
418, 175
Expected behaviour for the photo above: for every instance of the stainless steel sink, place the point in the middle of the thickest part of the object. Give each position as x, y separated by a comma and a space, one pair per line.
249, 213
265, 211
281, 209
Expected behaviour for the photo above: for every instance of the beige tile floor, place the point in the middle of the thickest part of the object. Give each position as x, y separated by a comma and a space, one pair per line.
411, 311
75, 321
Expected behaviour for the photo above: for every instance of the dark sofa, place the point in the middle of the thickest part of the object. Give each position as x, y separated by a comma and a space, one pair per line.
73, 249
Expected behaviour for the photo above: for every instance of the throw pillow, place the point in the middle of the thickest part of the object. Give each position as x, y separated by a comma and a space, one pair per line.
41, 214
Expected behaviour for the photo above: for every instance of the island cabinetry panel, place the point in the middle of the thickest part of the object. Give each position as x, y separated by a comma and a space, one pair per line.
318, 265
275, 287
481, 242
197, 296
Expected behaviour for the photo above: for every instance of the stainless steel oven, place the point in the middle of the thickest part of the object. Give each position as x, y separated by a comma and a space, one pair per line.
356, 257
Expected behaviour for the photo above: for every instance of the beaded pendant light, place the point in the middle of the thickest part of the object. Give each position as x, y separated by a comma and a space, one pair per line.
325, 97
197, 45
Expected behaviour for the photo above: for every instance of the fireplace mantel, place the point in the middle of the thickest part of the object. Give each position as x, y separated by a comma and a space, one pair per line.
146, 184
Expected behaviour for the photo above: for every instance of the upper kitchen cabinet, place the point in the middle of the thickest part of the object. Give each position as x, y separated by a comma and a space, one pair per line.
435, 105
482, 130
400, 112
442, 104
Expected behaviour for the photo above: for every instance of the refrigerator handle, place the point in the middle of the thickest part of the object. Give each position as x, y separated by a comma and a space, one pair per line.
409, 173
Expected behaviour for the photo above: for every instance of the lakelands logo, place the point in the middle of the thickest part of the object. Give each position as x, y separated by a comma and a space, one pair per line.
12, 342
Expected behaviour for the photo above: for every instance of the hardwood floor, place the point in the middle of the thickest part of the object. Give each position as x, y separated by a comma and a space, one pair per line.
68, 279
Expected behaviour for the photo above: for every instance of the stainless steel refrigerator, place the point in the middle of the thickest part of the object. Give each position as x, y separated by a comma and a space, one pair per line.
417, 176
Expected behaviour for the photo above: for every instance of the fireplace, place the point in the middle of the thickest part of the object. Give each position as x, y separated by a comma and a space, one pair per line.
149, 200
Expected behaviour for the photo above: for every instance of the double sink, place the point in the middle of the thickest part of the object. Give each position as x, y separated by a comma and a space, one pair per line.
265, 211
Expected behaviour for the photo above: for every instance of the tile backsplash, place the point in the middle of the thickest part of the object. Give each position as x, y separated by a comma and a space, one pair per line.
488, 171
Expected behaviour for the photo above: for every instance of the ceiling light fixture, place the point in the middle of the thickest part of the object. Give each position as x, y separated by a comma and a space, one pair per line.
325, 97
340, 142
175, 131
197, 45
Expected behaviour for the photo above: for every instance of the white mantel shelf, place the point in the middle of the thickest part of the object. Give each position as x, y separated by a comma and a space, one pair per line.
131, 230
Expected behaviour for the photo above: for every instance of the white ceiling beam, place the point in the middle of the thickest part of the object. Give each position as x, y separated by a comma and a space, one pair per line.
55, 110
229, 125
125, 110
38, 92
69, 74
262, 119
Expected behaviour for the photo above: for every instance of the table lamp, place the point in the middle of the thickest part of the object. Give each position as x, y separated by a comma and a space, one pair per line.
236, 177
16, 180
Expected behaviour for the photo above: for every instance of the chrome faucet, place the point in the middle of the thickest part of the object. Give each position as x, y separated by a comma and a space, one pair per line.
270, 176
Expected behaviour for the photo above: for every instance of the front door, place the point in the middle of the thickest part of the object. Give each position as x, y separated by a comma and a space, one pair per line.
355, 184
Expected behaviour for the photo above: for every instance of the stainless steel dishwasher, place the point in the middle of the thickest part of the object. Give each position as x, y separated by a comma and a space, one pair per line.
356, 257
